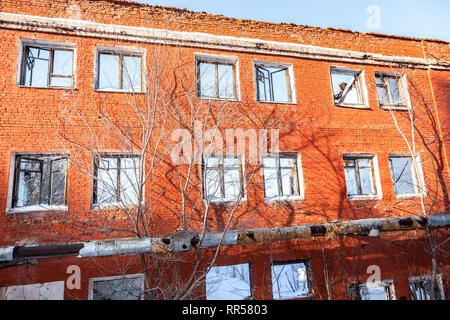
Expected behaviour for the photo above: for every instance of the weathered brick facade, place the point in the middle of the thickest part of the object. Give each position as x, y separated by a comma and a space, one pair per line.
312, 126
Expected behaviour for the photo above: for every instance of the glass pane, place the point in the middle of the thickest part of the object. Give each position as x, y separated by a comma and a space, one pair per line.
230, 162
263, 83
232, 184
60, 82
364, 162
226, 83
228, 283
349, 162
365, 175
270, 162
402, 176
29, 188
271, 183
30, 164
131, 73
62, 62
207, 80
288, 182
351, 182
280, 85
345, 88
395, 93
129, 180
379, 80
382, 96
118, 289
289, 281
36, 67
212, 162
107, 181
212, 185
374, 293
109, 72
287, 162
58, 180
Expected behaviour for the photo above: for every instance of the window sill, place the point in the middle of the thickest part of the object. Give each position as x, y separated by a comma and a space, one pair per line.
219, 99
119, 91
224, 202
112, 206
284, 199
353, 106
362, 198
395, 107
50, 87
277, 102
37, 209
409, 196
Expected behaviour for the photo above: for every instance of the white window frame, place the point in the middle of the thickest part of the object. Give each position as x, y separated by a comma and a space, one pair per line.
44, 44
375, 174
383, 283
307, 264
361, 87
122, 51
419, 180
403, 88
136, 275
428, 278
299, 175
36, 208
218, 59
281, 65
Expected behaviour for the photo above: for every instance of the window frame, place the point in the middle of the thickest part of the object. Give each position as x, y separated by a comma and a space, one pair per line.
121, 52
375, 176
250, 278
360, 87
418, 178
217, 60
355, 288
307, 263
127, 276
300, 187
95, 162
427, 277
290, 81
402, 86
13, 183
51, 46
203, 168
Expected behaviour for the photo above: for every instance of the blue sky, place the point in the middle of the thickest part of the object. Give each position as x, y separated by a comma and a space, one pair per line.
414, 18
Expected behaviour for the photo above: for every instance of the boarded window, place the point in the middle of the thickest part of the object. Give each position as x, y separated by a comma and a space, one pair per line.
273, 84
390, 90
290, 280
229, 283
403, 177
347, 87
119, 72
121, 288
222, 179
359, 176
38, 291
47, 67
216, 79
116, 180
280, 176
39, 181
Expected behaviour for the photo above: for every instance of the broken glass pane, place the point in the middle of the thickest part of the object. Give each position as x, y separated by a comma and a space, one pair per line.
131, 73
129, 288
345, 87
58, 181
29, 189
109, 72
272, 84
374, 293
228, 283
402, 175
36, 67
289, 281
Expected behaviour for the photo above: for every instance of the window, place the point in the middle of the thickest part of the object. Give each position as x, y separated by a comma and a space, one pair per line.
281, 177
130, 287
119, 71
223, 176
116, 180
391, 90
216, 77
291, 280
46, 65
273, 83
360, 176
381, 290
406, 181
37, 291
39, 181
229, 283
348, 87
421, 288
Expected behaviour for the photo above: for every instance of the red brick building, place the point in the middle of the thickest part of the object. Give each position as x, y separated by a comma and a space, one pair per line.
353, 204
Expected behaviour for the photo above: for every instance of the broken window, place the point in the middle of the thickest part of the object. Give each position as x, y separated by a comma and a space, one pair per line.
273, 83
290, 280
359, 176
38, 291
223, 177
390, 90
215, 79
45, 66
347, 87
117, 71
421, 288
229, 283
117, 288
381, 290
39, 181
403, 175
116, 180
280, 176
